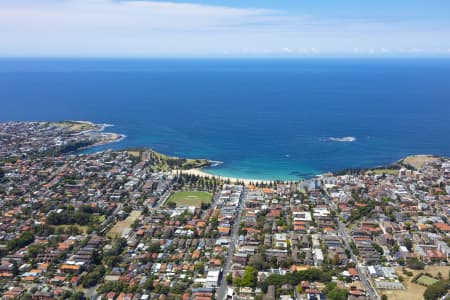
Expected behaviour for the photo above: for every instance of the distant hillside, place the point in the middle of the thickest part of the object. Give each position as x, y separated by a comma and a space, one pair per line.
412, 162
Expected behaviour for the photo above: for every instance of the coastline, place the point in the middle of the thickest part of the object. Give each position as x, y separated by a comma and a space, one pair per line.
423, 159
202, 173
110, 138
415, 160
98, 129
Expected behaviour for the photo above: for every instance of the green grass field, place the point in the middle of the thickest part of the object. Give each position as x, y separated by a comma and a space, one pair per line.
65, 227
192, 198
101, 218
123, 226
426, 280
385, 171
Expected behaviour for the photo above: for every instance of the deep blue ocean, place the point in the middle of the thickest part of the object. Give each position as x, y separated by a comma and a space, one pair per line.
263, 119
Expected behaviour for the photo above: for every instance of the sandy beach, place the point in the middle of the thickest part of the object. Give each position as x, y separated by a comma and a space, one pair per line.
200, 172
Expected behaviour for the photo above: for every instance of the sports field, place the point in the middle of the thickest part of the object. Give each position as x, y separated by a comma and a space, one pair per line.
190, 198
413, 290
426, 280
123, 228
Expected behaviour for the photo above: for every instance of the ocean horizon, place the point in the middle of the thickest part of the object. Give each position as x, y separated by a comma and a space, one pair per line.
263, 118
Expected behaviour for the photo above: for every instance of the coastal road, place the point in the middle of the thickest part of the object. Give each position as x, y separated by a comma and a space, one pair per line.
162, 200
363, 276
214, 202
91, 293
221, 292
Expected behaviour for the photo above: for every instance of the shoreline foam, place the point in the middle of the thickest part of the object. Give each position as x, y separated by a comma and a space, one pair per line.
112, 137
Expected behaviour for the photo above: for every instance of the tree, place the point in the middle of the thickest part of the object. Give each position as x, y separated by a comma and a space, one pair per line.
378, 248
145, 210
436, 290
69, 217
135, 224
415, 264
237, 280
26, 296
148, 284
34, 249
336, 259
257, 261
295, 278
15, 267
77, 296
113, 286
395, 249
92, 278
25, 239
154, 247
338, 294
178, 289
330, 286
408, 244
249, 279
229, 278
335, 293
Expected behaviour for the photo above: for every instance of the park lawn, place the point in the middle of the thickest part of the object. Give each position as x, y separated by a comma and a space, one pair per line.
190, 198
413, 290
75, 126
81, 228
121, 228
134, 153
384, 171
417, 161
426, 280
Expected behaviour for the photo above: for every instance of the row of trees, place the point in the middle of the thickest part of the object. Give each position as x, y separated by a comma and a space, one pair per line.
118, 287
334, 293
112, 256
414, 263
199, 182
93, 277
295, 278
25, 239
69, 217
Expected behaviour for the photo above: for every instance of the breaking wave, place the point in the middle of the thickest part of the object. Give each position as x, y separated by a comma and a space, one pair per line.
342, 139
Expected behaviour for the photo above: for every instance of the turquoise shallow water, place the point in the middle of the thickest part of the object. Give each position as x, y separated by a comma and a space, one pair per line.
266, 119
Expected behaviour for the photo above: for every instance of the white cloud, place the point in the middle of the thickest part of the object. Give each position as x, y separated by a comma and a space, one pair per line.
150, 28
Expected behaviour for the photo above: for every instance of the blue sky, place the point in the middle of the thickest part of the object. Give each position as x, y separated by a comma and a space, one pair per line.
231, 28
